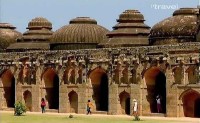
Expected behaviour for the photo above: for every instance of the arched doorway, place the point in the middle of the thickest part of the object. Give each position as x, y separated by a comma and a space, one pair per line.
51, 88
73, 100
99, 80
28, 100
156, 85
125, 102
8, 82
191, 103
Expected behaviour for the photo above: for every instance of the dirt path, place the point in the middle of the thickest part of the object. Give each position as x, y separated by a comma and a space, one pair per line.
185, 119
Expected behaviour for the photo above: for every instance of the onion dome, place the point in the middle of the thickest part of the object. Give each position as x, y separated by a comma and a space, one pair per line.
8, 35
81, 33
39, 30
181, 27
130, 31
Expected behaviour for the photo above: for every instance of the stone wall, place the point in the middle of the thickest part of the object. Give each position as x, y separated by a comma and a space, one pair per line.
125, 68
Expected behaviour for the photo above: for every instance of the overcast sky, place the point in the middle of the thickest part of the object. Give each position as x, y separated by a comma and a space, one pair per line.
60, 12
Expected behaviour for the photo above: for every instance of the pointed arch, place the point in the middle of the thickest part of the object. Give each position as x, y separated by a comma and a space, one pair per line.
73, 100
99, 81
8, 84
27, 96
125, 102
50, 90
191, 103
156, 85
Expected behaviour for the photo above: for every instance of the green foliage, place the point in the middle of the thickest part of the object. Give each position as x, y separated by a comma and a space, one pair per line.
20, 108
71, 116
137, 118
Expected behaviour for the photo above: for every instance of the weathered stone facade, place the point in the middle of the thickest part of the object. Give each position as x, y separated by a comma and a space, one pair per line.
67, 79
110, 77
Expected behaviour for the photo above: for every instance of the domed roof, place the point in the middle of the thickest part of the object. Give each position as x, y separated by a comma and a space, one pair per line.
39, 22
130, 30
8, 35
80, 30
181, 27
39, 30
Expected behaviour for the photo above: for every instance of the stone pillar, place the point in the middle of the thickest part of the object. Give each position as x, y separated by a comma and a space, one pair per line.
145, 110
113, 100
36, 98
135, 94
171, 95
180, 105
36, 91
83, 95
185, 76
64, 106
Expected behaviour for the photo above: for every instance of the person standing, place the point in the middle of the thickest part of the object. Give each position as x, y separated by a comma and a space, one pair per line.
89, 107
135, 110
43, 105
158, 101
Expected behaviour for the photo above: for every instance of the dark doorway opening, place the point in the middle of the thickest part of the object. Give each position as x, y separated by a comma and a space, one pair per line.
197, 108
8, 82
156, 85
103, 93
51, 89
127, 108
99, 80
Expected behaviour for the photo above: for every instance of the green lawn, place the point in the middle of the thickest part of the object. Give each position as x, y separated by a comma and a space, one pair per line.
50, 118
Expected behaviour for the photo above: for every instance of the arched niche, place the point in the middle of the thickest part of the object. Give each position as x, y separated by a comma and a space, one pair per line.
27, 96
73, 100
125, 102
191, 103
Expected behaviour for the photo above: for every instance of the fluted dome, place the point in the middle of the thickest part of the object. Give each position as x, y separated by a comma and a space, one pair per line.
37, 37
8, 35
39, 22
81, 33
181, 27
130, 31
39, 30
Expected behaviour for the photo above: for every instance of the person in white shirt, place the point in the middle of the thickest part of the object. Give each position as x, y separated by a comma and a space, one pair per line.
135, 109
159, 109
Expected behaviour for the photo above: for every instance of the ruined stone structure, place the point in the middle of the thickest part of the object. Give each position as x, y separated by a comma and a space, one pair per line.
110, 77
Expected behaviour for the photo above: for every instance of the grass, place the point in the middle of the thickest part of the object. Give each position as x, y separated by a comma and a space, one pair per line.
50, 118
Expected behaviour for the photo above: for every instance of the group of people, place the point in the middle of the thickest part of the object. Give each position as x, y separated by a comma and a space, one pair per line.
90, 106
135, 107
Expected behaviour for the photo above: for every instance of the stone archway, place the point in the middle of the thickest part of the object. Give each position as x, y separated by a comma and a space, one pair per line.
125, 102
156, 85
28, 100
50, 90
8, 84
73, 100
99, 81
191, 103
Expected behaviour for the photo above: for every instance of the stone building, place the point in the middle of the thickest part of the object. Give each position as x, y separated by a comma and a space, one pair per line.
74, 68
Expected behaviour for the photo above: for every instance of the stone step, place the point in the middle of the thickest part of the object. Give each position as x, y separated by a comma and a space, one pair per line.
158, 114
7, 109
52, 110
99, 112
